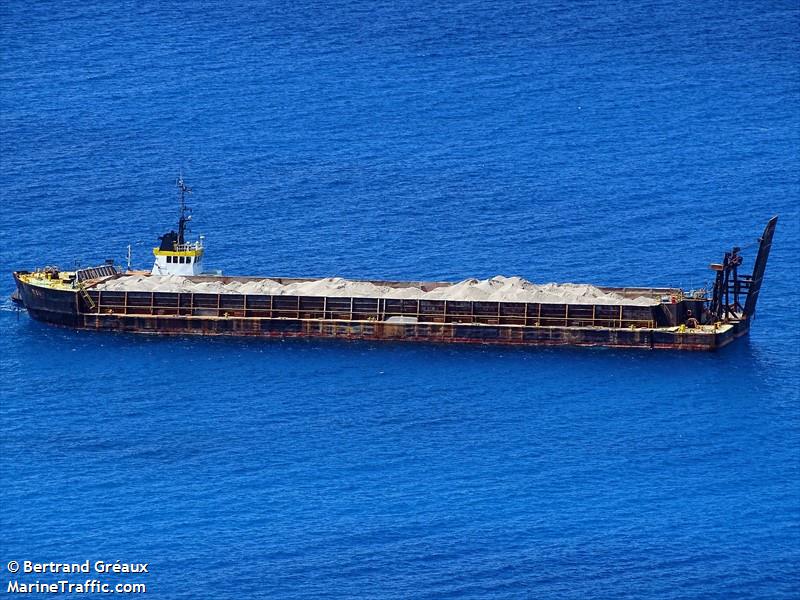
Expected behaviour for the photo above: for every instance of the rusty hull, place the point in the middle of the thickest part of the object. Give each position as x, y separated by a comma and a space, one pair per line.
508, 335
510, 324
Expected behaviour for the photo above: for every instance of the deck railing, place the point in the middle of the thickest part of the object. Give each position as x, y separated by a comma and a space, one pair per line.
188, 247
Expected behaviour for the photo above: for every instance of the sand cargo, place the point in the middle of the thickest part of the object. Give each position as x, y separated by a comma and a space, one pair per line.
177, 297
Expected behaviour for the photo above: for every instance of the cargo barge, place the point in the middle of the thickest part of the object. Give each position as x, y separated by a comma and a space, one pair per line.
176, 297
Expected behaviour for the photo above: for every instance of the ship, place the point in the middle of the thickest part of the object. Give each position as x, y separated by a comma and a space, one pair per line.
178, 296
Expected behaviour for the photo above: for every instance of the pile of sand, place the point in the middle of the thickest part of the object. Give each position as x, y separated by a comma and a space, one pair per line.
496, 289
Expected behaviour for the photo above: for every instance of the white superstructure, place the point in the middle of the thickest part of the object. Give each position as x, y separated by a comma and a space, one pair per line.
176, 256
186, 259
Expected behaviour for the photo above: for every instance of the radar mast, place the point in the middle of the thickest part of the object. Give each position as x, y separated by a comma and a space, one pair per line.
175, 255
185, 217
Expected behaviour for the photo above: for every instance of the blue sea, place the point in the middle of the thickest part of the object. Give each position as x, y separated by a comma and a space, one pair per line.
608, 142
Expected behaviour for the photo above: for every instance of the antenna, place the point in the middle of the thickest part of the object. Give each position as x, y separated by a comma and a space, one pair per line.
129, 257
183, 217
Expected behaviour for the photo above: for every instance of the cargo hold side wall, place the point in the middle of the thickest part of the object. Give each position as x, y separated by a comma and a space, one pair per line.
381, 309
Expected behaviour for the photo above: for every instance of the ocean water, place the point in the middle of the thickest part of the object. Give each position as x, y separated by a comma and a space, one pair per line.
602, 142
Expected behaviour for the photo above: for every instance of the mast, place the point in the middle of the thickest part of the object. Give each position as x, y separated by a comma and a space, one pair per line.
184, 216
175, 255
